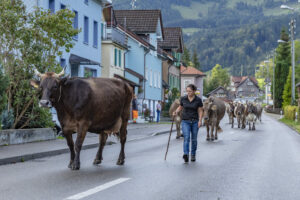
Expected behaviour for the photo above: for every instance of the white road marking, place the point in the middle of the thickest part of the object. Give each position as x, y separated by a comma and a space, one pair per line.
97, 189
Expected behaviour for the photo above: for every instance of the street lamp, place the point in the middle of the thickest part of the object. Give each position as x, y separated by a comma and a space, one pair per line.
292, 30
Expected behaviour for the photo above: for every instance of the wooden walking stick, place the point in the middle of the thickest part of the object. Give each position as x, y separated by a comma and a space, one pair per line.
169, 137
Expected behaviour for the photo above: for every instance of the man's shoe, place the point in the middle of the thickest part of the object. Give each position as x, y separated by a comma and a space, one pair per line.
193, 158
185, 158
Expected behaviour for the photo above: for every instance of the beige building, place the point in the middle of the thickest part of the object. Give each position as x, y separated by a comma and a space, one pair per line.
114, 46
191, 75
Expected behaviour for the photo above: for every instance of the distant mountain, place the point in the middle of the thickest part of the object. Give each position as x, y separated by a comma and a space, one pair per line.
233, 33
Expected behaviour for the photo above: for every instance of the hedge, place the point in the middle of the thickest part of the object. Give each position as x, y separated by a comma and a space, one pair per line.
290, 112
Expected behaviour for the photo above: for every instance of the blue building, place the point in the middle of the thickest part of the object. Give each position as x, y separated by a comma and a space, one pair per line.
143, 64
84, 59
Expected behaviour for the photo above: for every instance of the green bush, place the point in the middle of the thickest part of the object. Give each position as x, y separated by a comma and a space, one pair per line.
290, 112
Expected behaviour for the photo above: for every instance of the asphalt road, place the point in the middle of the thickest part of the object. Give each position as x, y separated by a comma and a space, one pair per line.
241, 165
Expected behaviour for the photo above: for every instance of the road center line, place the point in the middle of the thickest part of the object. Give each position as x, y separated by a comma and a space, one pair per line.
97, 189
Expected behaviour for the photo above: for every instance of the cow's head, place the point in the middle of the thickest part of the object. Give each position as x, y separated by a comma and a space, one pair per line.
209, 109
251, 108
49, 87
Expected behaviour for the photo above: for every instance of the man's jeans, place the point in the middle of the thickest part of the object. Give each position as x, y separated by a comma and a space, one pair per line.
190, 128
158, 116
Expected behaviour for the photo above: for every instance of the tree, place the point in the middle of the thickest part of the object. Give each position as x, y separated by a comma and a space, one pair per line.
186, 57
287, 92
195, 60
283, 63
219, 77
3, 98
28, 41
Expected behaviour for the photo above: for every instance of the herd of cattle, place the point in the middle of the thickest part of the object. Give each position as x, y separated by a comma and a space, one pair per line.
102, 106
214, 111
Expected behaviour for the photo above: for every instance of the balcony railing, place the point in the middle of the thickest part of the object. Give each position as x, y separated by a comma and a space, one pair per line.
114, 35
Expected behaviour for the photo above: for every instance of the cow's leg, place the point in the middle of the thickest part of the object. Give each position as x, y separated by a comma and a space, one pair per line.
102, 140
232, 122
249, 125
212, 132
216, 131
178, 130
207, 130
253, 126
82, 129
68, 136
239, 122
123, 137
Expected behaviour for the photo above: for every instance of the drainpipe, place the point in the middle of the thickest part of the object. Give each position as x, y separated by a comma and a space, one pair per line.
146, 52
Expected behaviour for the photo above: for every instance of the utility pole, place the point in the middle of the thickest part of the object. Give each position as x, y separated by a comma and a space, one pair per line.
292, 30
274, 80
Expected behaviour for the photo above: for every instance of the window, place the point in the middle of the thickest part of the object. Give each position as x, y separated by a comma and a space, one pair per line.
63, 62
52, 6
86, 2
75, 24
86, 30
95, 41
120, 58
159, 80
90, 72
102, 30
116, 57
62, 6
249, 83
155, 79
150, 82
186, 83
146, 74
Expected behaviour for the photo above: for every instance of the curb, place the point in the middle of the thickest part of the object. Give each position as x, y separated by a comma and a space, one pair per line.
27, 157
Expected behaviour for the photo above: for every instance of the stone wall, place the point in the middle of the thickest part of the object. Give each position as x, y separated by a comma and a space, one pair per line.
20, 136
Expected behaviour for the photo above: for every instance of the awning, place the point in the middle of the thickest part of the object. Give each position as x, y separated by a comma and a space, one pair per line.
165, 85
130, 71
133, 84
74, 59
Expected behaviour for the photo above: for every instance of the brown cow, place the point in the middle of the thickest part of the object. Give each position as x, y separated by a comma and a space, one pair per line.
177, 118
251, 115
239, 113
98, 105
214, 111
230, 112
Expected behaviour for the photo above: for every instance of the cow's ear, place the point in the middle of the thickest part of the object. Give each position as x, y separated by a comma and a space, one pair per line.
64, 80
35, 84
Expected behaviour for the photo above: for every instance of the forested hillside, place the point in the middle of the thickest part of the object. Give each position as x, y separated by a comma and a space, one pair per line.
233, 33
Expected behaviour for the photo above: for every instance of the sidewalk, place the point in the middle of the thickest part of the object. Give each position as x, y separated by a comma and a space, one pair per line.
23, 152
274, 116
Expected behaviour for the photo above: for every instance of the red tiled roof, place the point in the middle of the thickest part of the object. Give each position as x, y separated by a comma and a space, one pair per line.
191, 71
139, 21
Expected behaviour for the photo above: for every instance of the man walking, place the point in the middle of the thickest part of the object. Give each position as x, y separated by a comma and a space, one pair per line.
158, 110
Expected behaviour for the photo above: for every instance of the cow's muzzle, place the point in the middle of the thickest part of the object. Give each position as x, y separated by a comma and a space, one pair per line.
45, 104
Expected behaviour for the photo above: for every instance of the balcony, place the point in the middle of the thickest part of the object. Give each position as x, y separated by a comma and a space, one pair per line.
114, 35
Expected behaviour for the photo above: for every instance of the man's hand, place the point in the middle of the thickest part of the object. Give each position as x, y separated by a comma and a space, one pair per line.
199, 123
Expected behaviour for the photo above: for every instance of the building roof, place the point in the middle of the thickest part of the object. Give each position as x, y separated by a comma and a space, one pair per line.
298, 84
190, 71
172, 38
139, 21
215, 90
251, 79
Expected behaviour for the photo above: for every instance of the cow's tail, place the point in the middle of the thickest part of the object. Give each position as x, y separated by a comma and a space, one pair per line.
220, 130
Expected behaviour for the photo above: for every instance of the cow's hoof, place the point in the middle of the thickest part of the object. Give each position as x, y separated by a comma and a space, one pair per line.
177, 137
97, 162
75, 166
212, 139
120, 162
208, 139
216, 138
253, 129
70, 164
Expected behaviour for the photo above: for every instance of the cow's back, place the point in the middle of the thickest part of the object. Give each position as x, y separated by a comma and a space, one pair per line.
98, 101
